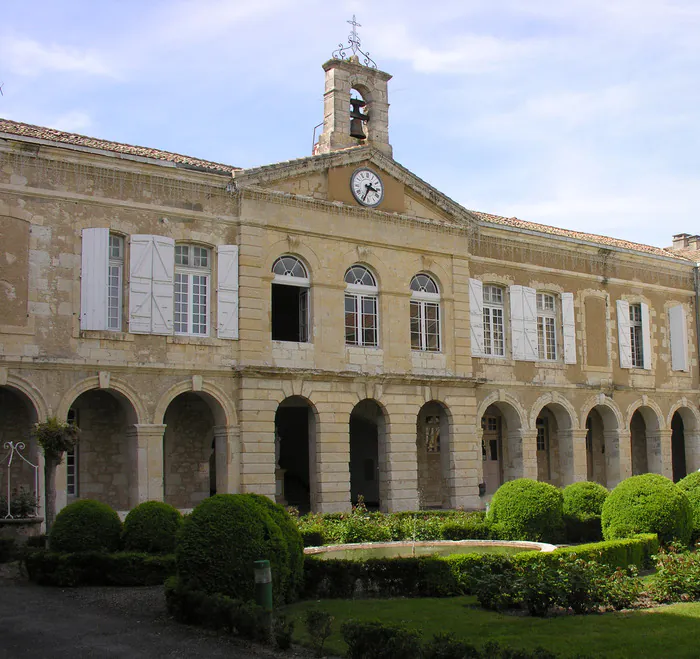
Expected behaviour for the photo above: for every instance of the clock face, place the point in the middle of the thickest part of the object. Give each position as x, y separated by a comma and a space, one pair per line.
367, 187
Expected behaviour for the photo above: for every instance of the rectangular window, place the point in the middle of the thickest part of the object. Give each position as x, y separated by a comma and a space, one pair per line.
72, 460
425, 325
494, 336
361, 320
546, 327
115, 278
541, 434
192, 272
636, 340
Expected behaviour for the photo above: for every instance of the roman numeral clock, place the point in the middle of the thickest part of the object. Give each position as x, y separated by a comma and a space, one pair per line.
367, 187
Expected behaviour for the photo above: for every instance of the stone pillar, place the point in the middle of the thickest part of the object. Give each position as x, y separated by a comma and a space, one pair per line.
398, 464
618, 456
257, 438
228, 459
521, 455
572, 455
146, 463
61, 481
466, 468
659, 458
329, 461
691, 440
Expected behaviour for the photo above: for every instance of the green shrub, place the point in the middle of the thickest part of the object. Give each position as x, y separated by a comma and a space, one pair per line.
466, 530
583, 504
220, 541
8, 550
312, 537
526, 509
96, 568
295, 545
649, 503
152, 527
86, 525
677, 576
691, 486
374, 639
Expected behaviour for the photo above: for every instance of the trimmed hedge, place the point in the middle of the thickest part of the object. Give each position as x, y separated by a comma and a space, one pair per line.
583, 504
434, 576
96, 568
526, 509
8, 550
649, 503
152, 527
691, 486
220, 541
86, 525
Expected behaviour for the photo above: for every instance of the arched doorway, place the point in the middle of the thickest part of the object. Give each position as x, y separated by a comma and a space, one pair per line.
367, 454
501, 446
678, 461
190, 464
433, 456
602, 446
555, 449
645, 442
100, 467
295, 442
17, 418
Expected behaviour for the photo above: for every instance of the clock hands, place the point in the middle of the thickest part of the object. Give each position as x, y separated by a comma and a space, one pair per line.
368, 188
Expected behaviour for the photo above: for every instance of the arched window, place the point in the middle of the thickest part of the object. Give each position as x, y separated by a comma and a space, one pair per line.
425, 314
361, 312
290, 300
192, 276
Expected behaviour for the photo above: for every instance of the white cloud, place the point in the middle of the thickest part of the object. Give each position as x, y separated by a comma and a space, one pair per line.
28, 57
74, 121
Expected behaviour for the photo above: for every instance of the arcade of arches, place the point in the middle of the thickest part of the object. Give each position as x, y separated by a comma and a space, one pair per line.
191, 452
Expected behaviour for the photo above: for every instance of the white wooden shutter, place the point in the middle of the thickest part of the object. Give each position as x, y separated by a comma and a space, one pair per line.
568, 327
227, 292
476, 316
646, 337
163, 285
679, 338
517, 328
623, 334
94, 269
530, 323
140, 283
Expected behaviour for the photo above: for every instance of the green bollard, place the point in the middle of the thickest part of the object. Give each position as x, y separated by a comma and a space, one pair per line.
263, 585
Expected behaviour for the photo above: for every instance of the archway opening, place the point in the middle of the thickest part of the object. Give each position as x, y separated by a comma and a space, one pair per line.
501, 447
190, 462
295, 464
555, 450
367, 450
645, 440
17, 418
100, 466
596, 427
678, 461
433, 456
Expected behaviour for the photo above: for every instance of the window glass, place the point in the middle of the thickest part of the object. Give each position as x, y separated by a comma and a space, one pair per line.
192, 287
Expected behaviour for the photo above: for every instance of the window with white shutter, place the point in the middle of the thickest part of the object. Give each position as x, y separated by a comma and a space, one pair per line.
227, 291
546, 327
192, 280
94, 274
476, 317
623, 333
679, 338
568, 327
523, 322
636, 336
493, 321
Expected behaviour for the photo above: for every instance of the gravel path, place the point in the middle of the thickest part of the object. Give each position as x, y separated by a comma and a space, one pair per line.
109, 623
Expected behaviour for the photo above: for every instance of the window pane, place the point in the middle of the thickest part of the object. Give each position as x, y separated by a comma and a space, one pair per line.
199, 304
432, 326
351, 337
499, 344
304, 316
181, 302
182, 255
369, 321
116, 247
114, 297
201, 257
415, 326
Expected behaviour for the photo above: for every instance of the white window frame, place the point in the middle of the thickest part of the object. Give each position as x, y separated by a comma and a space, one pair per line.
290, 279
357, 294
636, 335
424, 300
72, 481
115, 282
492, 308
187, 272
547, 327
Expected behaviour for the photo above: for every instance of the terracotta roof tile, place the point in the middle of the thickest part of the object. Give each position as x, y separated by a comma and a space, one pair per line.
52, 135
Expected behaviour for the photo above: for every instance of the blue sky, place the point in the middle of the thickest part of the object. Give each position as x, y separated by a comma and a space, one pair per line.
578, 113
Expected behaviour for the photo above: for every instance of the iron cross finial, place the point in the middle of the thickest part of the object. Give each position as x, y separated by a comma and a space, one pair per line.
354, 45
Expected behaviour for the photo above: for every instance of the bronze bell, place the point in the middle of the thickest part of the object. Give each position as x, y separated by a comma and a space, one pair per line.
357, 118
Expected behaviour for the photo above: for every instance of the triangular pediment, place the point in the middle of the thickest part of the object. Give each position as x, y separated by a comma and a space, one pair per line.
327, 178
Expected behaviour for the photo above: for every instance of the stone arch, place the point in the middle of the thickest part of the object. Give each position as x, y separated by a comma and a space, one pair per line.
689, 412
352, 257
563, 410
41, 408
224, 414
501, 396
603, 422
554, 419
684, 421
608, 408
115, 385
294, 248
433, 451
646, 424
369, 470
651, 412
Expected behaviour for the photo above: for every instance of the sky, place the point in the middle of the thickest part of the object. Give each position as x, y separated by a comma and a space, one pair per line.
581, 114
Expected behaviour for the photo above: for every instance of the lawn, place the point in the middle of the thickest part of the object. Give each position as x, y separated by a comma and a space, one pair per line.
667, 631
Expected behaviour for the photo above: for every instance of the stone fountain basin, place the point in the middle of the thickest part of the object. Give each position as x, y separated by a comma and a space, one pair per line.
364, 550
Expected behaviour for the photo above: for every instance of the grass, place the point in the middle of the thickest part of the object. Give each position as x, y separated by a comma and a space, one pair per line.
666, 631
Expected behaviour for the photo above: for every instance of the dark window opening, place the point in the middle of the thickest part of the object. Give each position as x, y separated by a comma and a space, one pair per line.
290, 313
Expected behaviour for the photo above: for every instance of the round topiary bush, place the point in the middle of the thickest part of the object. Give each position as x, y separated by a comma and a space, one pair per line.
220, 541
86, 525
649, 503
152, 527
583, 504
295, 543
691, 486
526, 509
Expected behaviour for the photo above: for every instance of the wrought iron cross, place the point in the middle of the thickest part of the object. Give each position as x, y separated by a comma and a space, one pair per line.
353, 39
354, 44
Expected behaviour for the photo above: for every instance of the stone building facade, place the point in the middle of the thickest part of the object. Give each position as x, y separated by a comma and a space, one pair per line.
326, 328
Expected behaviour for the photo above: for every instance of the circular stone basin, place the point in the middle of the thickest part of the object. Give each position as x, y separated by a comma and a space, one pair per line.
363, 551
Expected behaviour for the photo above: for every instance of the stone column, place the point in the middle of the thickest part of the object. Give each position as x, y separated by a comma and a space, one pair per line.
618, 456
146, 460
228, 459
659, 459
691, 440
572, 455
520, 454
329, 461
398, 464
61, 481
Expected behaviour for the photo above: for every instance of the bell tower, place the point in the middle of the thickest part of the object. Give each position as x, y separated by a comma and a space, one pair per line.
356, 102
